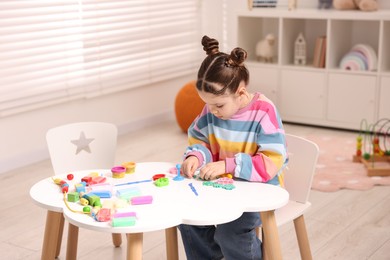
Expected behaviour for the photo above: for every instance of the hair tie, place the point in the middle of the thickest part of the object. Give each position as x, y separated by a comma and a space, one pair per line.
229, 62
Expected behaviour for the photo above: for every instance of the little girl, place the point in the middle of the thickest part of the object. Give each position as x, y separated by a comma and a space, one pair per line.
237, 132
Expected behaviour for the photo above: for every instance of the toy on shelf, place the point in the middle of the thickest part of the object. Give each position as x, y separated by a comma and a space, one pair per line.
362, 5
362, 57
325, 4
300, 50
265, 49
292, 4
261, 4
373, 147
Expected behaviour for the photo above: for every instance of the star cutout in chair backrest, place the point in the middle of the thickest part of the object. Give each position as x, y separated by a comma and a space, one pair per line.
82, 143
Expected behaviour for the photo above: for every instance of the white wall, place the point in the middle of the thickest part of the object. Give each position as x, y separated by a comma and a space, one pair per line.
22, 136
212, 19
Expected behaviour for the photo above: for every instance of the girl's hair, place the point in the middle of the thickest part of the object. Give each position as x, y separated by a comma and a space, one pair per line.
221, 69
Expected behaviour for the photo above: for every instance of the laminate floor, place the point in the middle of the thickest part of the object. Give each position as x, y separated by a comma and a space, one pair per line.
341, 225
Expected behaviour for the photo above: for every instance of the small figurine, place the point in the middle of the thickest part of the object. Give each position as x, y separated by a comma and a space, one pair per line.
265, 49
324, 4
300, 50
292, 4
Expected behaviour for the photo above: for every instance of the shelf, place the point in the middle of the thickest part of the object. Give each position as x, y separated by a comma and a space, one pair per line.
255, 29
316, 13
336, 95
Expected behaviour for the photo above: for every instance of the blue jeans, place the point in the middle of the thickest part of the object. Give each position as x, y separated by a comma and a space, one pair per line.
235, 240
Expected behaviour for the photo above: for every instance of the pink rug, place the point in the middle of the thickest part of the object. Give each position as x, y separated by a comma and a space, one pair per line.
335, 169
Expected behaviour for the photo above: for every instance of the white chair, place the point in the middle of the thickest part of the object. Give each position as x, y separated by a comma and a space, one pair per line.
303, 155
77, 146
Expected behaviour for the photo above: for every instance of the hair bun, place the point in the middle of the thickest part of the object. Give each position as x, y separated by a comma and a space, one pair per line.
237, 57
210, 46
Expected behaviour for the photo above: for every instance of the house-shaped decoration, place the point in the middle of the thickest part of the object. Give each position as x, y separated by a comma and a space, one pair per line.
300, 50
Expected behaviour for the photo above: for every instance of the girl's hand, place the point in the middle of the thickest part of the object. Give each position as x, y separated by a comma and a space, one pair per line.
212, 170
189, 166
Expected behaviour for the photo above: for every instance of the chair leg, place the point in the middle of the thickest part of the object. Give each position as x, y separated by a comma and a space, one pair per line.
303, 240
60, 232
117, 239
71, 247
263, 242
260, 235
171, 243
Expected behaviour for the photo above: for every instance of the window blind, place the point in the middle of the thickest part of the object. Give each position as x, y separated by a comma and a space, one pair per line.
57, 51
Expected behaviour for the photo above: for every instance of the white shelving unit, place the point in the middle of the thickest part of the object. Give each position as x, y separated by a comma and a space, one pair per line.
327, 96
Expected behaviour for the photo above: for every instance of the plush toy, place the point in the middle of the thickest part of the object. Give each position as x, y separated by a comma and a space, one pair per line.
265, 49
324, 4
363, 5
292, 4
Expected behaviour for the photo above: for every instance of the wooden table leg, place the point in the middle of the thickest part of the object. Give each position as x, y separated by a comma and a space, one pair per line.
134, 246
71, 247
171, 243
117, 239
271, 235
50, 239
60, 232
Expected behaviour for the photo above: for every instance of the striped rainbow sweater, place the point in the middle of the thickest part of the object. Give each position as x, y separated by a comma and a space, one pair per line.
252, 142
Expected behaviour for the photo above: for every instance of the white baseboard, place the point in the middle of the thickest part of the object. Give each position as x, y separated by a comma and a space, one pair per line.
41, 154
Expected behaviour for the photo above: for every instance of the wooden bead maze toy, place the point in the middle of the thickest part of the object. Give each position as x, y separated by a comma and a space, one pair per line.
373, 147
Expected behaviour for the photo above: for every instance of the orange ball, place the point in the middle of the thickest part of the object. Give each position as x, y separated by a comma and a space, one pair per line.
188, 105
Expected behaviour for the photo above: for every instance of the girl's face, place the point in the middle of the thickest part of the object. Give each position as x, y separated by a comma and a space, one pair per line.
226, 105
